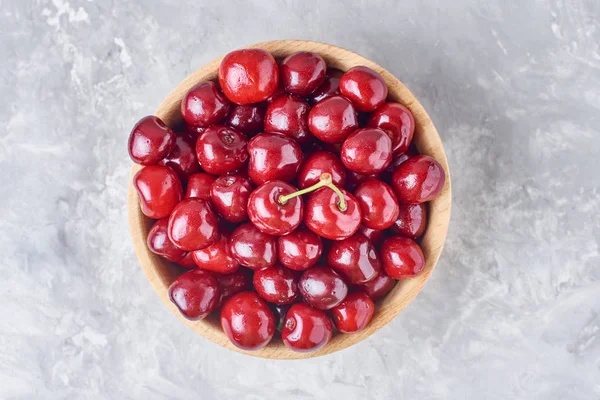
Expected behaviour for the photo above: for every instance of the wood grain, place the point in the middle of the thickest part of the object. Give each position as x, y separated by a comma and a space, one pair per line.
160, 273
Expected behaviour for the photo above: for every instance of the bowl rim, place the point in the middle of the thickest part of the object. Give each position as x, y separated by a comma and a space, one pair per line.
427, 141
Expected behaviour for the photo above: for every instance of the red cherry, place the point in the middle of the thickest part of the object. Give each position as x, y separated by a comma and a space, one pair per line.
317, 164
331, 120
378, 204
401, 257
354, 313
159, 190
270, 213
183, 156
386, 175
375, 236
229, 195
364, 87
306, 329
412, 220
204, 105
199, 186
195, 293
288, 115
247, 321
398, 122
247, 118
329, 87
418, 179
302, 72
187, 261
248, 76
159, 243
354, 179
354, 258
150, 141
253, 248
216, 257
323, 216
221, 149
378, 287
273, 157
230, 284
277, 285
193, 225
367, 151
300, 249
322, 288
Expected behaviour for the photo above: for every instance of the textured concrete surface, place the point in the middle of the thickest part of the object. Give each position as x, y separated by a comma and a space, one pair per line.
513, 308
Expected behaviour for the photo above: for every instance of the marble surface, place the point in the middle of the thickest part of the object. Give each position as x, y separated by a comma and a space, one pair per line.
513, 308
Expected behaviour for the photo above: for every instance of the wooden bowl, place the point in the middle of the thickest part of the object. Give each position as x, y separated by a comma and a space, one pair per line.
161, 273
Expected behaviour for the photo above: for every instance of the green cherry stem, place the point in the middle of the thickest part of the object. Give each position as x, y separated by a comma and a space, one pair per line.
324, 181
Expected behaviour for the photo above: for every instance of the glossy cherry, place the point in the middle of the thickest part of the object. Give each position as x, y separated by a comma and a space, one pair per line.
199, 185
248, 76
317, 164
367, 151
398, 122
302, 72
364, 87
216, 257
150, 141
204, 105
195, 293
246, 118
187, 261
273, 157
354, 313
401, 257
324, 215
386, 175
221, 149
418, 179
378, 204
329, 87
193, 225
276, 284
247, 321
230, 284
159, 190
354, 258
229, 195
331, 120
411, 221
288, 114
306, 328
270, 212
378, 287
159, 243
300, 249
253, 248
322, 287
375, 236
183, 158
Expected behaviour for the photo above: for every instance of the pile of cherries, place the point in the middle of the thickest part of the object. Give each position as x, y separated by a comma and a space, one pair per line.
292, 194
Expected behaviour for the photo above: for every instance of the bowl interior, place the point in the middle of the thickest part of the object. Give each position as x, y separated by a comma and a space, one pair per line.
161, 273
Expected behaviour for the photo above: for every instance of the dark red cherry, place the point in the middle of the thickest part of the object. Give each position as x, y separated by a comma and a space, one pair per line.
187, 261
401, 257
367, 151
354, 179
354, 258
230, 284
386, 175
306, 328
331, 120
159, 243
354, 313
193, 225
195, 293
248, 75
317, 164
378, 204
302, 72
270, 213
216, 257
150, 141
199, 186
322, 287
398, 122
276, 284
418, 179
411, 221
323, 216
221, 149
247, 321
204, 105
329, 87
229, 195
159, 190
253, 248
273, 157
288, 114
247, 118
378, 287
193, 131
300, 249
364, 87
183, 156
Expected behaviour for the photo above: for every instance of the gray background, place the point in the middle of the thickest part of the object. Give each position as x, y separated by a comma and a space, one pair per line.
513, 308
